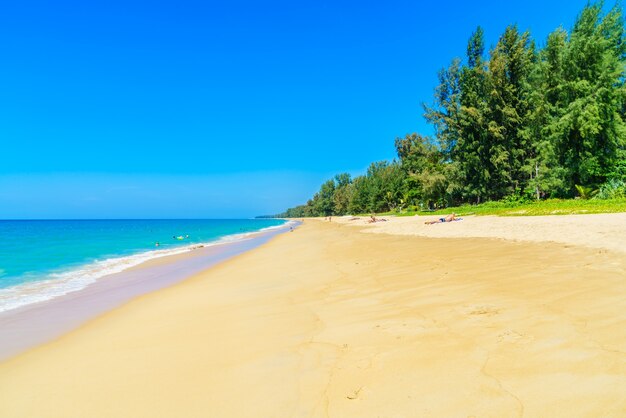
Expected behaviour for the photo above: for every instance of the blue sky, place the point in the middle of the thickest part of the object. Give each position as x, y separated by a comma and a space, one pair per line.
219, 109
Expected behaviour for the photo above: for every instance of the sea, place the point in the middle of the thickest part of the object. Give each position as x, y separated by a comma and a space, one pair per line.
44, 259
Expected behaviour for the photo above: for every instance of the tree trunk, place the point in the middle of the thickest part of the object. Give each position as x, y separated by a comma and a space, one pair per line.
536, 177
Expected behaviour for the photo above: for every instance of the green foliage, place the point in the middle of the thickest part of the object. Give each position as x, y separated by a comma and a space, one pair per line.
510, 68
343, 194
612, 189
517, 125
381, 189
536, 208
585, 192
470, 153
324, 200
424, 169
586, 98
444, 113
618, 171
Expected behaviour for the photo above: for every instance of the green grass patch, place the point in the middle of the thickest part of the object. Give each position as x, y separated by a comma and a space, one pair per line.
544, 207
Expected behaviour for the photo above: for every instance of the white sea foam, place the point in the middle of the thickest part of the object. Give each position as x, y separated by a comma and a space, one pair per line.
286, 224
62, 283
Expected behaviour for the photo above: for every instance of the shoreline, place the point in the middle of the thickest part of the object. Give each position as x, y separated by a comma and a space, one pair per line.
331, 321
36, 323
62, 281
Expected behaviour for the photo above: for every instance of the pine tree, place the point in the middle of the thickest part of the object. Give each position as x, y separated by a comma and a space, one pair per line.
471, 152
545, 172
444, 113
588, 125
510, 149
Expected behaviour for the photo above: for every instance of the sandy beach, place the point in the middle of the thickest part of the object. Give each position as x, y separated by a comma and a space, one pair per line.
37, 323
488, 317
600, 231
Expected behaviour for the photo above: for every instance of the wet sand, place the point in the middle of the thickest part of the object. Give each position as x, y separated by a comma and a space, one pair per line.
34, 324
330, 321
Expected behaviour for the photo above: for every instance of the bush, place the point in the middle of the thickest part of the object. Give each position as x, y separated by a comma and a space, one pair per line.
612, 189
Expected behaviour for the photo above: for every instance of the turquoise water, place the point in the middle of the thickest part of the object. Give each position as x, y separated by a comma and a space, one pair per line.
43, 259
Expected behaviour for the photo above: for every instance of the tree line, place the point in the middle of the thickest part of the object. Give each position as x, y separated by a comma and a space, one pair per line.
517, 123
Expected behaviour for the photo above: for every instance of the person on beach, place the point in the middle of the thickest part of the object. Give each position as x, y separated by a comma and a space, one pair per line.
375, 219
450, 218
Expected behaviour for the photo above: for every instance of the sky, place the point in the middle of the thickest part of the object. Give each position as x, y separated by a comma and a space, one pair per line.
185, 109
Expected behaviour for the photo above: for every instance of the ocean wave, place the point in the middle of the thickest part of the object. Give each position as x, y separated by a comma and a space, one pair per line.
284, 225
62, 283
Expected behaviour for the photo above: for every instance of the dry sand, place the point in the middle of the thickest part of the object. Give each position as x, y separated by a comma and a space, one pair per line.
328, 321
605, 231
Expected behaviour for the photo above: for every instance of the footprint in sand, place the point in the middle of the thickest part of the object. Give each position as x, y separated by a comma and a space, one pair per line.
355, 394
511, 336
482, 310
